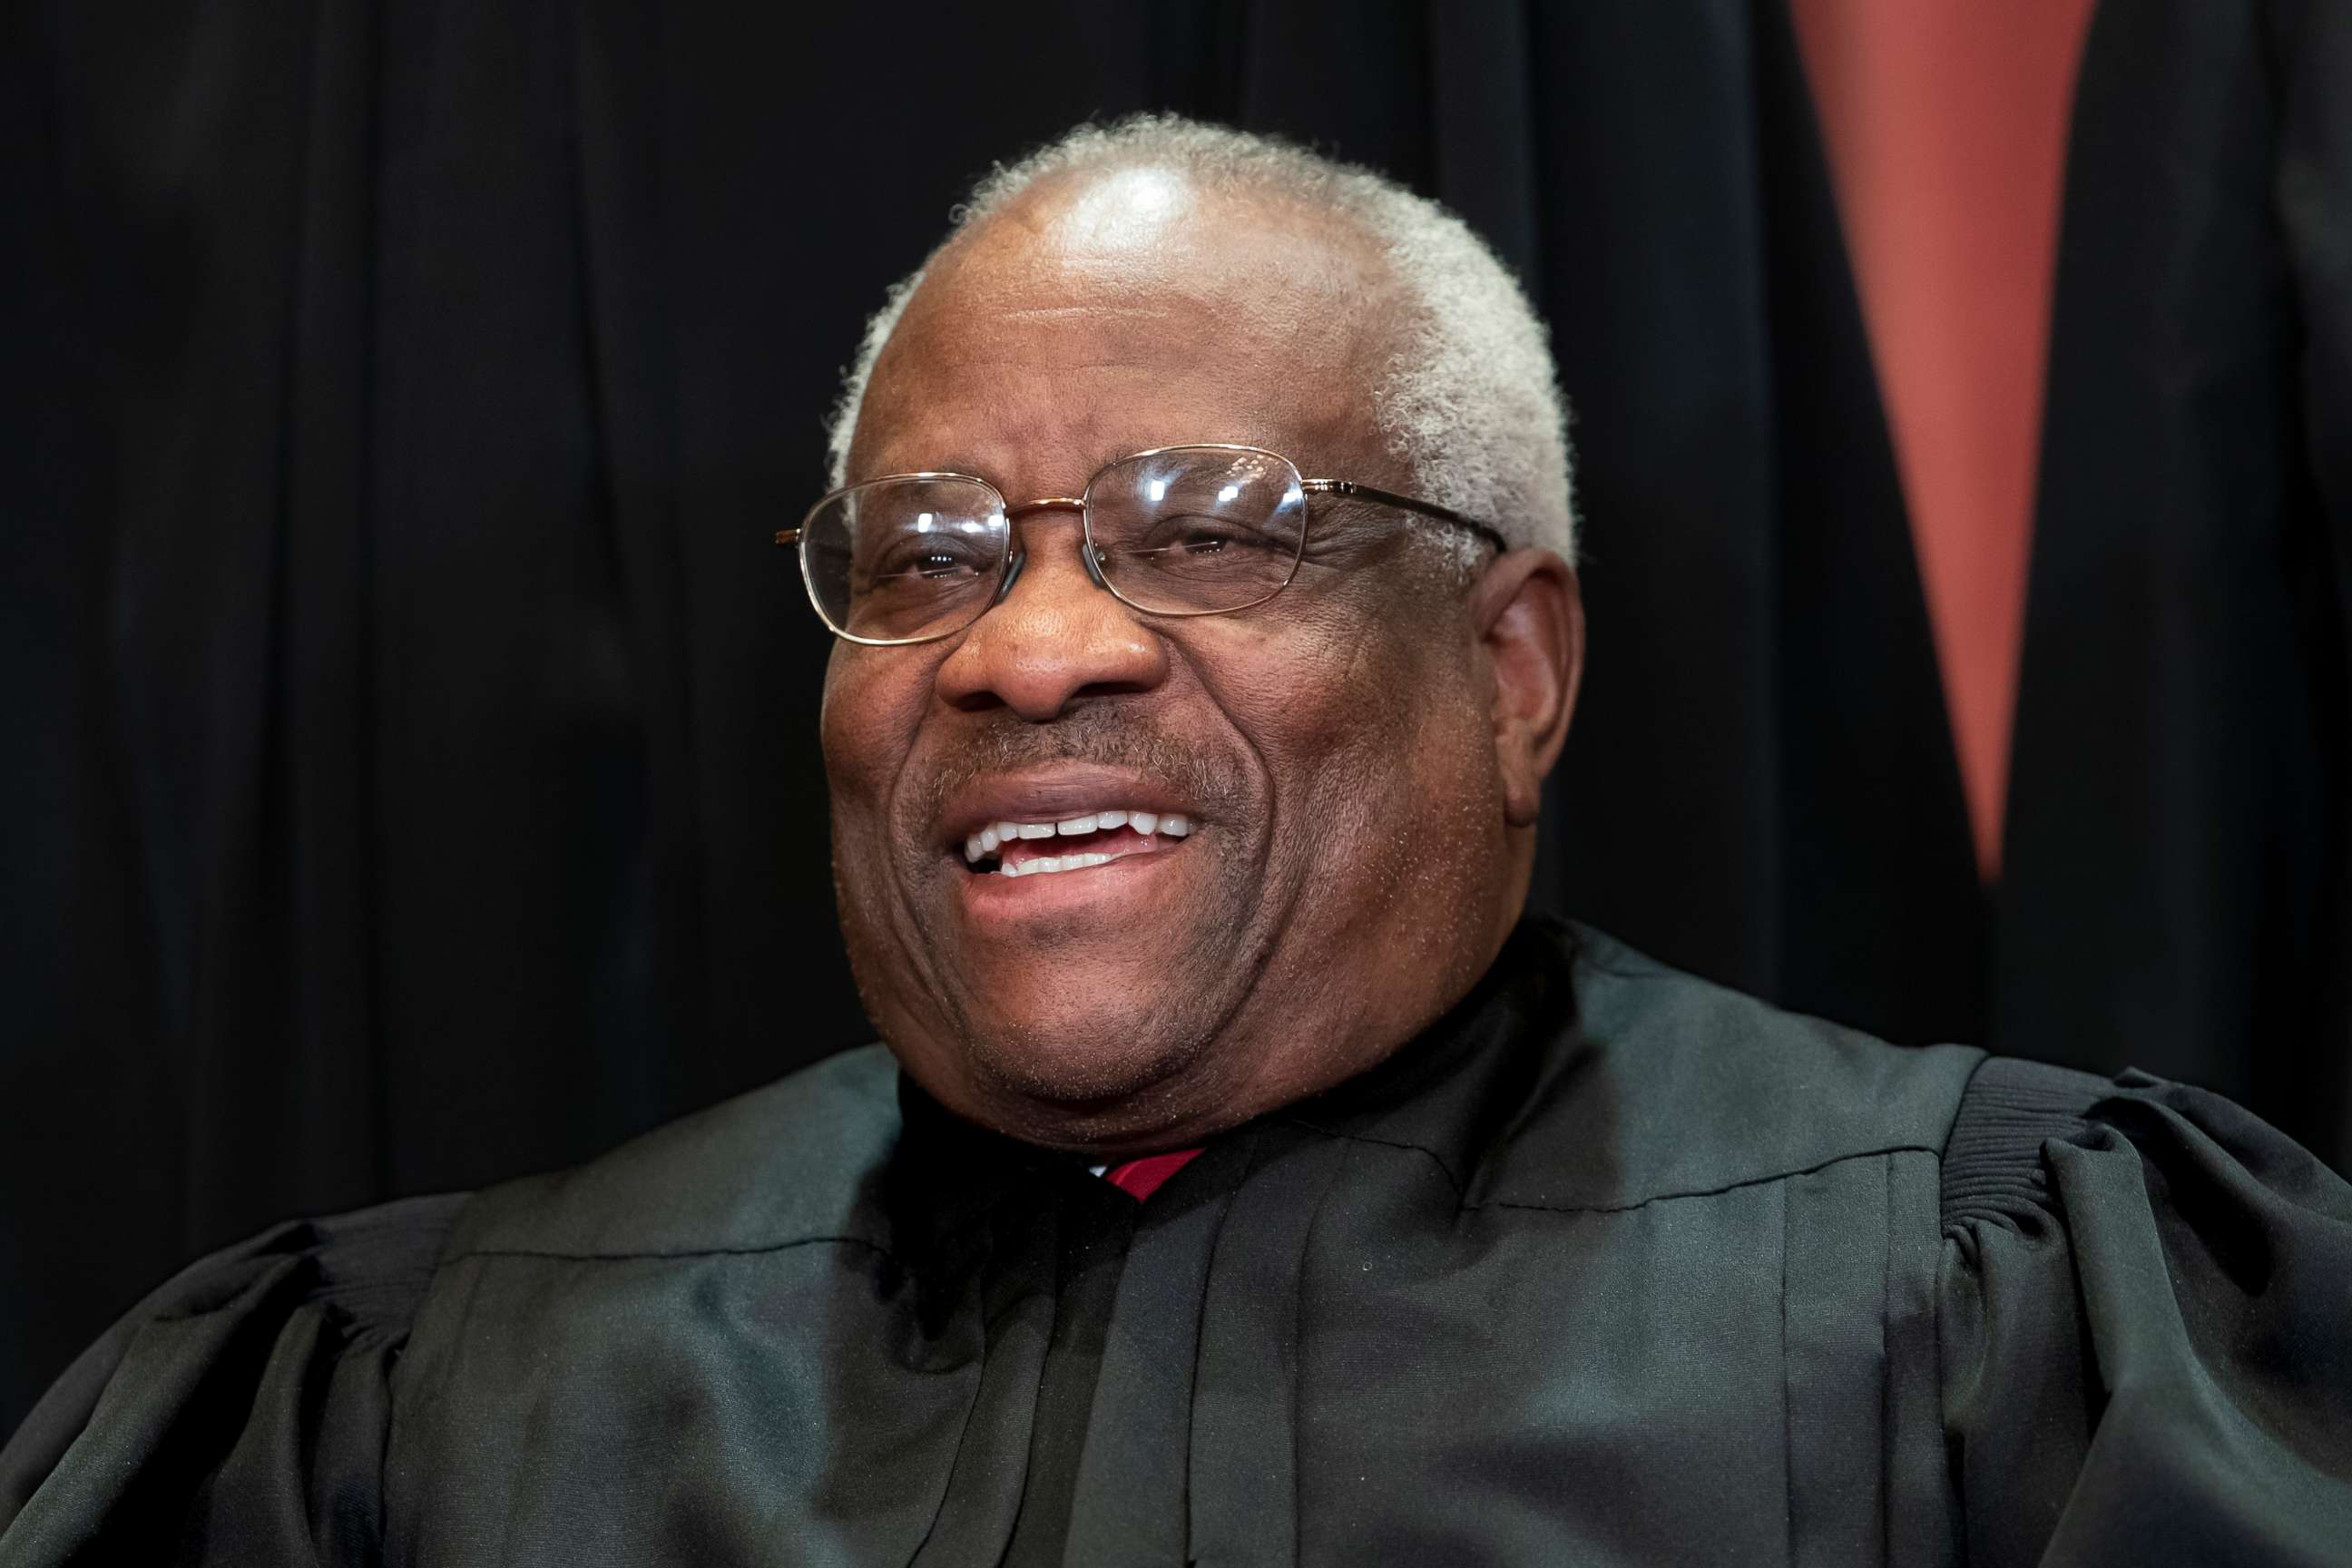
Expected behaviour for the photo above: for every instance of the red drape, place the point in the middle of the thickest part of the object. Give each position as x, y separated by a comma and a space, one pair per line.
1946, 130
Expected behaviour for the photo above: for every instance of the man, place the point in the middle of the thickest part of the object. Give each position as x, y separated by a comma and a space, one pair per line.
1244, 1180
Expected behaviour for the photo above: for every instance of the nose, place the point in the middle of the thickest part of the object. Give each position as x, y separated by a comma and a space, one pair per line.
1056, 637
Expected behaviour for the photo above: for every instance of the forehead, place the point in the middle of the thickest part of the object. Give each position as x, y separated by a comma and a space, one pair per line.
1114, 313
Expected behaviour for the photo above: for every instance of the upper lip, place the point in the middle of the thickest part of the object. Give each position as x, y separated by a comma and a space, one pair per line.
1051, 795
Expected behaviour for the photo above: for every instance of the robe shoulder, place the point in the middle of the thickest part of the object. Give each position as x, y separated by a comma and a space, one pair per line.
793, 1160
242, 1412
1640, 1083
2144, 1310
239, 1412
2142, 1305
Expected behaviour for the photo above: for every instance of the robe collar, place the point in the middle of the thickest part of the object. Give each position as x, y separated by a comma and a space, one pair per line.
1441, 1092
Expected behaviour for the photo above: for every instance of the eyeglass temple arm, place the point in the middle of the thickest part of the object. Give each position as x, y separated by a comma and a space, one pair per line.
1352, 490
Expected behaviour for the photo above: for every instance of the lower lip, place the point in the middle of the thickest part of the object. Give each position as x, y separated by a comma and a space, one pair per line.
991, 895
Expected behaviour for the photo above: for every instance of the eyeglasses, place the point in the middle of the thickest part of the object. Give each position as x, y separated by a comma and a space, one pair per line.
1177, 530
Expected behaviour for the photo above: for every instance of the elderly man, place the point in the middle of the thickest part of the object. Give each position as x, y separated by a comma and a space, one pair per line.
1241, 1179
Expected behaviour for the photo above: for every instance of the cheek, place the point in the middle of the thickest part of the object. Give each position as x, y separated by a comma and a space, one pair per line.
1402, 840
1373, 732
873, 704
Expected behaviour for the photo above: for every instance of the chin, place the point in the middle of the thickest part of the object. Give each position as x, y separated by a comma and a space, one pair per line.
1098, 1060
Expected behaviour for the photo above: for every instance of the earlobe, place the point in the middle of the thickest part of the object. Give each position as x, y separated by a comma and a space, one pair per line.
1529, 612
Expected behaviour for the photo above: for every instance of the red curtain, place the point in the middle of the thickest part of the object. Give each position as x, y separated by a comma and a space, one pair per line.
1945, 126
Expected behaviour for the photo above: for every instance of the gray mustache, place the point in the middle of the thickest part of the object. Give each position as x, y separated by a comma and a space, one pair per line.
1094, 736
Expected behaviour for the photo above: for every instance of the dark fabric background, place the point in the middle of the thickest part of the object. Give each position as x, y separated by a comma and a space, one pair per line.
414, 780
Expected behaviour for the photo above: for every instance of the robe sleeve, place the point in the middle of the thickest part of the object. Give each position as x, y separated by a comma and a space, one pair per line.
2146, 1327
239, 1413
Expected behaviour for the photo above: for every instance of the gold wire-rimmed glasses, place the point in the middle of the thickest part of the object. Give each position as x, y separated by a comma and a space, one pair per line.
1201, 529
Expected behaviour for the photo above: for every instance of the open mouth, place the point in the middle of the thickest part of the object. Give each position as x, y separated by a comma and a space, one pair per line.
1071, 843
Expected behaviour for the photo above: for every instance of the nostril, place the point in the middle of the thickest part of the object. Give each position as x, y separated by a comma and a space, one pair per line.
1056, 643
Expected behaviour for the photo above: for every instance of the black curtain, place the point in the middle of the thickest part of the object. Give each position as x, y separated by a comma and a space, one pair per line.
415, 779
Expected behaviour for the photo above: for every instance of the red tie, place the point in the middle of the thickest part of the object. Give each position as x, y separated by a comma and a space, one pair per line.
1139, 1179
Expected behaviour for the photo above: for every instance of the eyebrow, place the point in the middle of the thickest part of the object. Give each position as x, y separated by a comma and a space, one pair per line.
948, 466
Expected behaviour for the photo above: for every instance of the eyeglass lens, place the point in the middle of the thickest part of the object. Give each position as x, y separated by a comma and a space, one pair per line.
1189, 530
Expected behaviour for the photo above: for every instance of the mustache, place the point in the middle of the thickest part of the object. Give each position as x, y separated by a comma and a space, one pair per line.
1095, 735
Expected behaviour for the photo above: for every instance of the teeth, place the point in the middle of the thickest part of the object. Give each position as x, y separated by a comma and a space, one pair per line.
985, 843
1051, 863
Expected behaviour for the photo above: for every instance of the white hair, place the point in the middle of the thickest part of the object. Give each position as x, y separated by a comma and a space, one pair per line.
1468, 400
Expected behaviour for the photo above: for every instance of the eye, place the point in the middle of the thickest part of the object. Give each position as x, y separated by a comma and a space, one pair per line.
1197, 536
928, 558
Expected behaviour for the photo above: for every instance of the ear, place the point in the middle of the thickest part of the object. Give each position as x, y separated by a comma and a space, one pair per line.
1528, 612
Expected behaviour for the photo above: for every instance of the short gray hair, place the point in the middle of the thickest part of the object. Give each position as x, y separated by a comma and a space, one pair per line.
1469, 400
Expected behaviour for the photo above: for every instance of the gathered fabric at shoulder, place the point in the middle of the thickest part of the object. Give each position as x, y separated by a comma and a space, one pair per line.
238, 1413
2147, 1326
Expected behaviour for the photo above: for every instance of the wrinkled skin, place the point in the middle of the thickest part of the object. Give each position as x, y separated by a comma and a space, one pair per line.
1362, 756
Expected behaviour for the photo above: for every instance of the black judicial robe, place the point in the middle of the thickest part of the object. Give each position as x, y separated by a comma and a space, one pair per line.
1610, 1266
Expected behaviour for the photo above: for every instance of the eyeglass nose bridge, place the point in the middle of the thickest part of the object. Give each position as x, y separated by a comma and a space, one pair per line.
1017, 553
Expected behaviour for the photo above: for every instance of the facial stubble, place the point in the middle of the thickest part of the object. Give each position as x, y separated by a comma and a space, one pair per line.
1165, 989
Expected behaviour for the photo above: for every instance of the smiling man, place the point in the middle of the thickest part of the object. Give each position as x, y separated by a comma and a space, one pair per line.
1241, 1177
1317, 722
